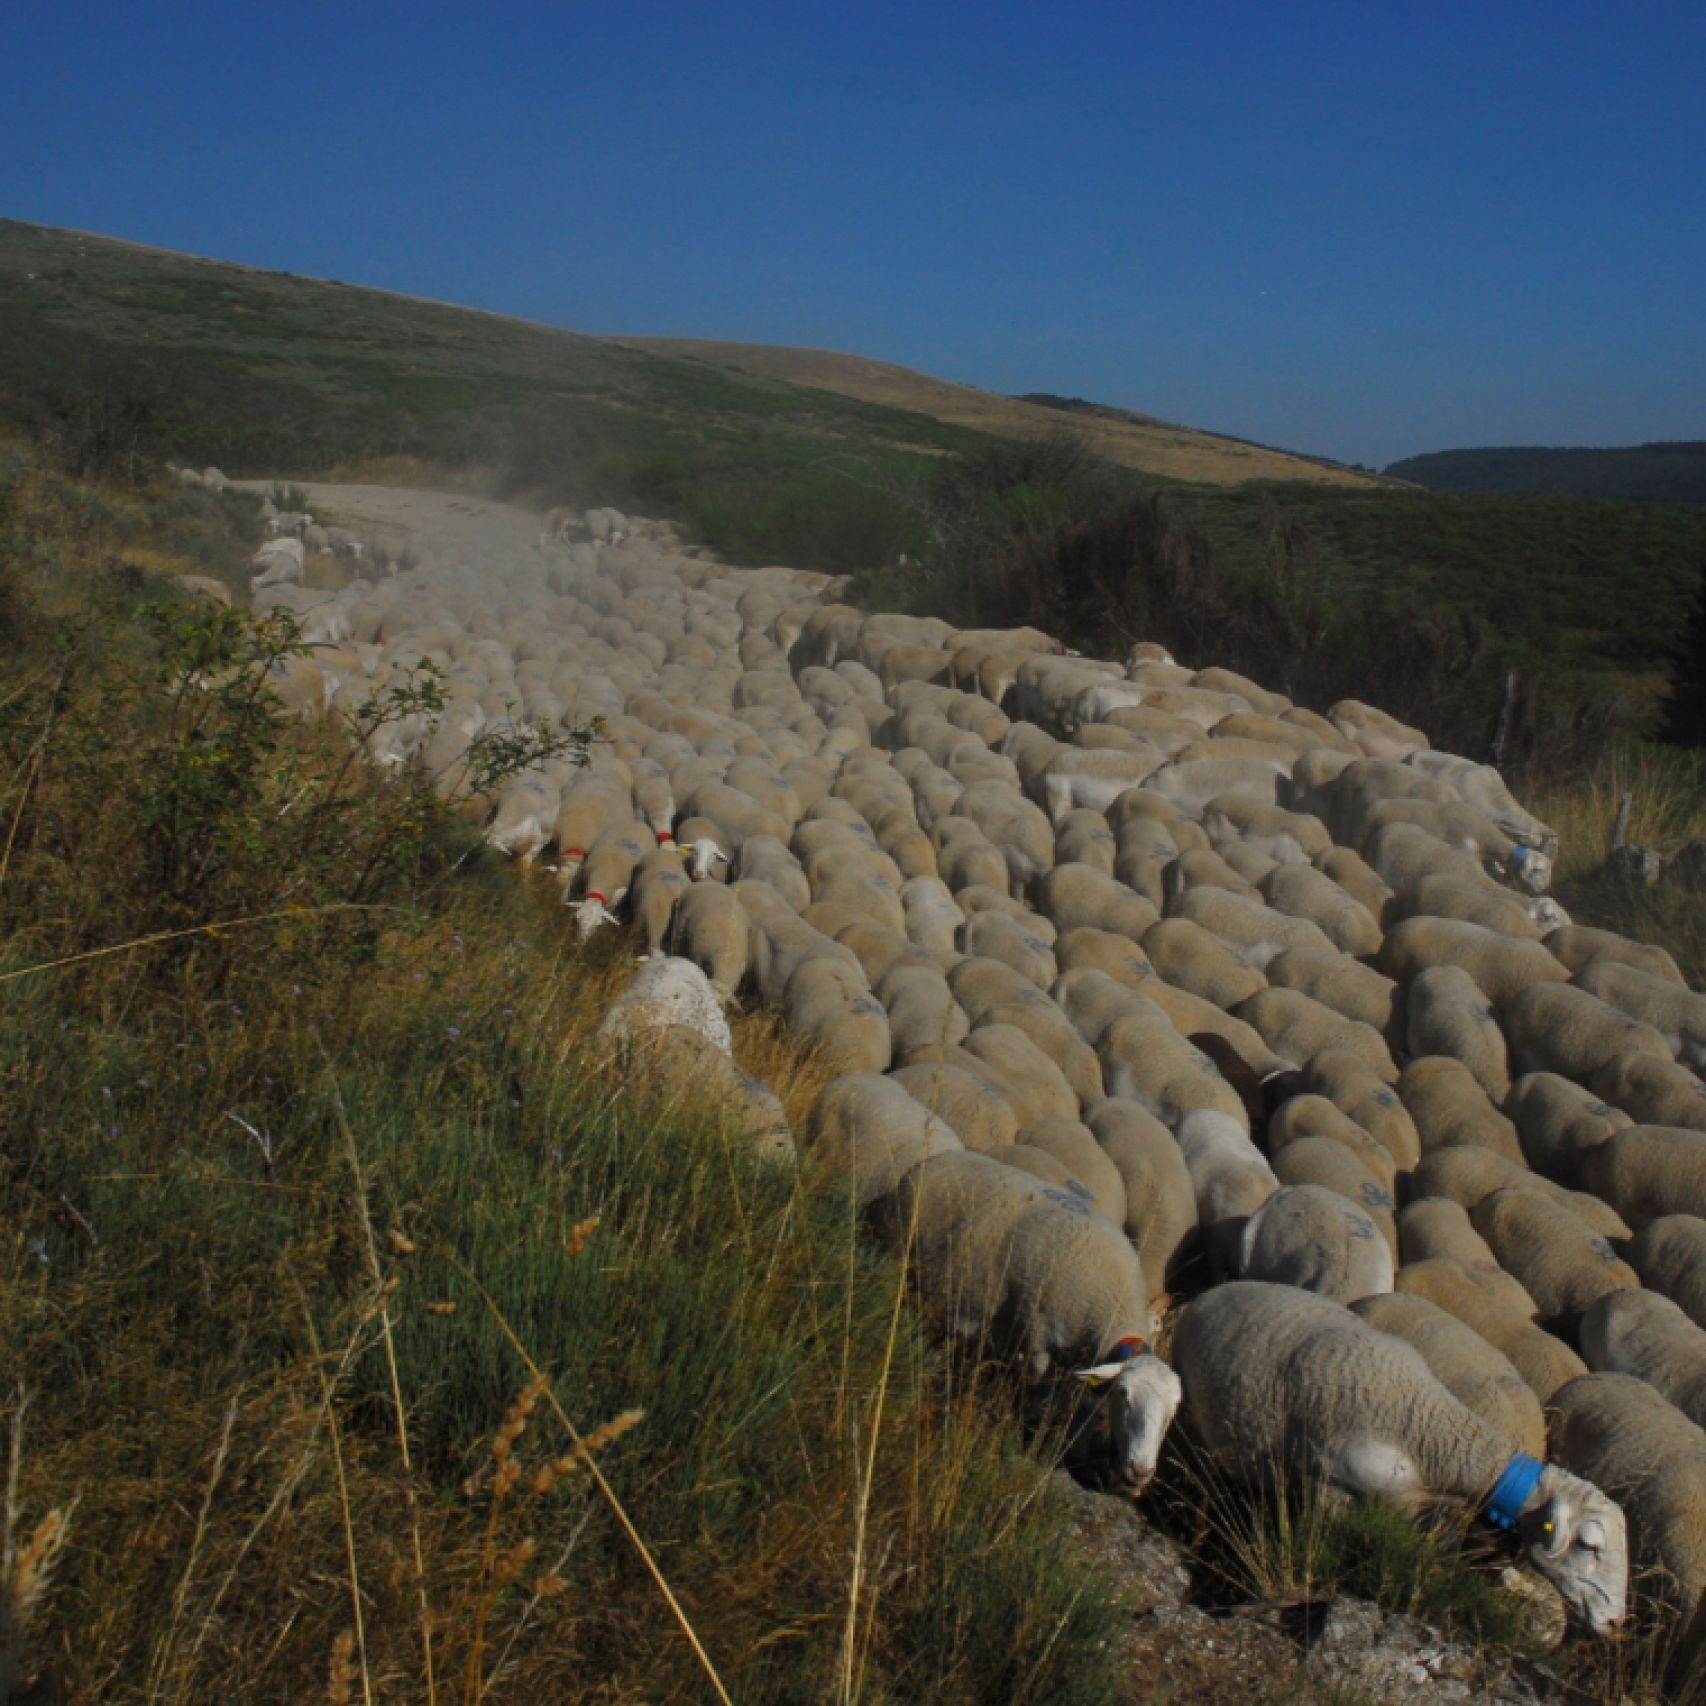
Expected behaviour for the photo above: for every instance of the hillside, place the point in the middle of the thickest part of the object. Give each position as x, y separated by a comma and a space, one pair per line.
1643, 473
112, 351
266, 372
1130, 440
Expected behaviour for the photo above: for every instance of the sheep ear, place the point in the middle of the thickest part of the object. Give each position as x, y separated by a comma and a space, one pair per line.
616, 899
1099, 1376
1557, 1530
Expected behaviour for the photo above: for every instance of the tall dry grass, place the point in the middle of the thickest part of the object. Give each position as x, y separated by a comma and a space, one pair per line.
1667, 790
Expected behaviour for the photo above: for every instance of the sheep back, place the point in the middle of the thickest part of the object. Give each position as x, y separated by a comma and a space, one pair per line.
1478, 1376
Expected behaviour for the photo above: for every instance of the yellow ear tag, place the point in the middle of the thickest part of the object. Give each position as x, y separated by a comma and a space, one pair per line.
1547, 1527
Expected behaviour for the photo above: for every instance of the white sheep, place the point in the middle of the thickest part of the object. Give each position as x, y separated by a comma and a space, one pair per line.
1557, 1259
712, 930
1285, 1381
1257, 932
1374, 731
1647, 1171
1619, 1431
1673, 1010
1481, 786
1502, 966
829, 1006
658, 887
1669, 1254
277, 562
998, 1252
525, 817
1308, 1236
1542, 1359
1576, 947
1469, 1368
1064, 1152
1641, 1333
1446, 1013
1229, 1176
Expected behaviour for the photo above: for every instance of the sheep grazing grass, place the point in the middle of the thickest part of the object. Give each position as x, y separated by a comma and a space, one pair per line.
1266, 1539
335, 1271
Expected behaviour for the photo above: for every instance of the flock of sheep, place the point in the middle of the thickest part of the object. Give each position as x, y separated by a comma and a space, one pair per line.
1137, 981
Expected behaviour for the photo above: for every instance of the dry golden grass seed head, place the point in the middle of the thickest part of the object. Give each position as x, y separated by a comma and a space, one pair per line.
515, 1560
340, 1678
606, 1433
34, 1566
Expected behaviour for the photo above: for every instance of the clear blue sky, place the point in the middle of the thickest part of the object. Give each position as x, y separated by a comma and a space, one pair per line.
1363, 229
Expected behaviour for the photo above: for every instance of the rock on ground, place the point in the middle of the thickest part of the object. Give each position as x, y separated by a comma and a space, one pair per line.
667, 991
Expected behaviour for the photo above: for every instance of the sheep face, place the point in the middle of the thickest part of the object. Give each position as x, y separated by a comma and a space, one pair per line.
1531, 869
702, 856
1578, 1541
1547, 914
595, 912
1142, 1397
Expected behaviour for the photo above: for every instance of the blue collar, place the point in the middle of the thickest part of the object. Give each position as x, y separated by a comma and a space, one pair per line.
1512, 1490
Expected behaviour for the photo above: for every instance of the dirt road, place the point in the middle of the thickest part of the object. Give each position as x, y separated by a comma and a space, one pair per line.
461, 525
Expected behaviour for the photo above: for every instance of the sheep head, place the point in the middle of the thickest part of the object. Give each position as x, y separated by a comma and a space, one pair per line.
594, 912
1576, 1538
702, 857
1142, 1396
1531, 869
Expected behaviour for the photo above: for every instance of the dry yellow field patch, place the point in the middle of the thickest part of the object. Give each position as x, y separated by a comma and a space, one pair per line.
1175, 452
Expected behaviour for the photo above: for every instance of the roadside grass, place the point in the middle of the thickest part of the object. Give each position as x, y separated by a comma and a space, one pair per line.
1667, 786
365, 1340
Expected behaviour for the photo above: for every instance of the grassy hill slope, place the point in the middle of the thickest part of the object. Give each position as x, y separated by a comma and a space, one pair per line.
270, 374
1641, 473
1132, 441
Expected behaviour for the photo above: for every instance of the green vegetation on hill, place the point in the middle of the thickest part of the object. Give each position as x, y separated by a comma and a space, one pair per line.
300, 1196
1672, 473
270, 374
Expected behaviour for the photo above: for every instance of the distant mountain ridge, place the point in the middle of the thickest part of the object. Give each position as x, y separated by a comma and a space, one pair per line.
1660, 473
